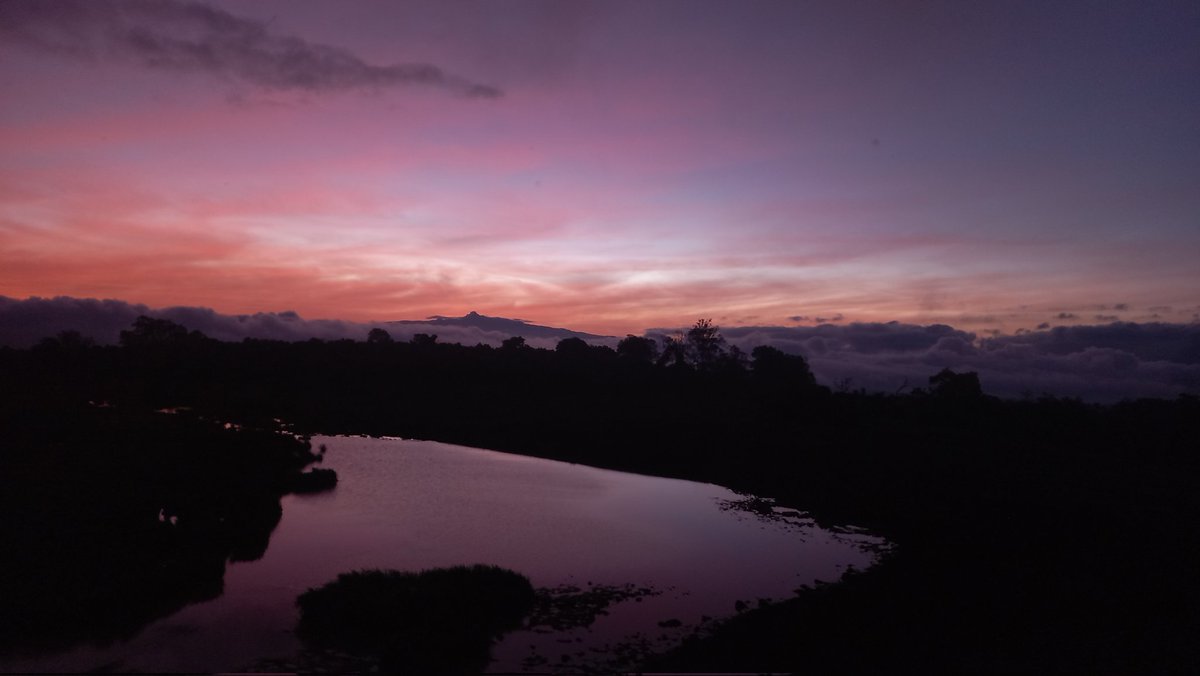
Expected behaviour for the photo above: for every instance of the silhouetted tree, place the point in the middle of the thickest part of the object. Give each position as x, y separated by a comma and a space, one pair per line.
705, 344
572, 347
734, 359
74, 340
513, 343
378, 335
776, 367
638, 348
674, 352
69, 340
424, 339
947, 383
151, 331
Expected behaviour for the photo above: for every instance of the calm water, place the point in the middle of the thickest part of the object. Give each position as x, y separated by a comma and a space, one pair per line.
412, 505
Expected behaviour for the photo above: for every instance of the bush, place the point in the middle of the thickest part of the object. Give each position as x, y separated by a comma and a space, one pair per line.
442, 620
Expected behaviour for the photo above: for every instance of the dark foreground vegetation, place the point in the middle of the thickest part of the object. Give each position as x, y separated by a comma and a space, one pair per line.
439, 621
1034, 536
114, 516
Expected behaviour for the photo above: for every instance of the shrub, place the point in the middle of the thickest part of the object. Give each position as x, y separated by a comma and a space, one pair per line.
442, 620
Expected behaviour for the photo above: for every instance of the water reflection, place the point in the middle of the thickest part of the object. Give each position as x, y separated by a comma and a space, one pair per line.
410, 505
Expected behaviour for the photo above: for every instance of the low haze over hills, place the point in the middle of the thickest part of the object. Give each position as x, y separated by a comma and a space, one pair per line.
1103, 362
24, 322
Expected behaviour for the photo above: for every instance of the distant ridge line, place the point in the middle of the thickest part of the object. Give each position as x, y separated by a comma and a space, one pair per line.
516, 327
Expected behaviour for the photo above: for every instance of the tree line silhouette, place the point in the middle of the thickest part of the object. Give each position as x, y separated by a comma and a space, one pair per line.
1038, 535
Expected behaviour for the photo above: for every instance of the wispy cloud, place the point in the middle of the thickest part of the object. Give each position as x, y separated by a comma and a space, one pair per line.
192, 37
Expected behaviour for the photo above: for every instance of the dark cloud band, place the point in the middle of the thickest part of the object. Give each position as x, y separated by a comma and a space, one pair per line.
1095, 363
24, 322
193, 37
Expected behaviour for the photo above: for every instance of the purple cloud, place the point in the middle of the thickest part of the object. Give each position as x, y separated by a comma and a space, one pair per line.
192, 37
1095, 363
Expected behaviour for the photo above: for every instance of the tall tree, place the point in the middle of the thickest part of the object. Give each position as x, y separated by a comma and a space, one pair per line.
637, 348
378, 335
705, 344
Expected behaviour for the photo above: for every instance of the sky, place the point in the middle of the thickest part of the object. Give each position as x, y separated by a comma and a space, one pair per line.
608, 166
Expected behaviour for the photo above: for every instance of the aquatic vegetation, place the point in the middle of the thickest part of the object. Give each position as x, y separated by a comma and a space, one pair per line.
569, 606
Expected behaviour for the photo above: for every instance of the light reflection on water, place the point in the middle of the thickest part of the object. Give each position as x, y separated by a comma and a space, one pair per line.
413, 505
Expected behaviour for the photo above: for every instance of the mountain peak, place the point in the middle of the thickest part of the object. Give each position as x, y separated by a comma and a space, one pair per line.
502, 325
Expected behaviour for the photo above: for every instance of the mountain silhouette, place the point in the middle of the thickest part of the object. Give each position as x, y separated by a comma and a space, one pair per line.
514, 327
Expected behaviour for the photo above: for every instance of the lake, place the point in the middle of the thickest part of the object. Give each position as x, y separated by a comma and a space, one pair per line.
686, 552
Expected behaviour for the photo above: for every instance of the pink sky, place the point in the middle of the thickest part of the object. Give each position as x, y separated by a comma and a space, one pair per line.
985, 165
